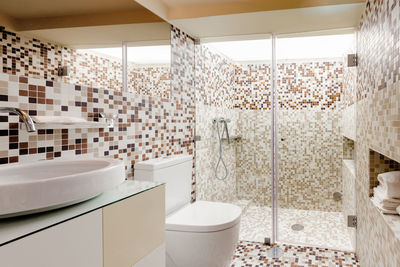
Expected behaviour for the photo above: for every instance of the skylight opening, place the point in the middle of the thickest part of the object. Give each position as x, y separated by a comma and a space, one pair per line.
146, 55
294, 48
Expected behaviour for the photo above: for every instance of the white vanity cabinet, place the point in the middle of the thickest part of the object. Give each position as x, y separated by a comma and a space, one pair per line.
126, 233
76, 242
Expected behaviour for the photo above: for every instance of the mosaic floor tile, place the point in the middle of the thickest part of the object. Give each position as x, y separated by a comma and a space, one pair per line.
252, 254
321, 229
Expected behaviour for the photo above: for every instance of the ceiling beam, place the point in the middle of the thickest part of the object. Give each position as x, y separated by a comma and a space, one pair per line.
111, 18
207, 9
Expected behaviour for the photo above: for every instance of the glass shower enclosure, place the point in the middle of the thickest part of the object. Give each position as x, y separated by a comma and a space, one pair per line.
234, 82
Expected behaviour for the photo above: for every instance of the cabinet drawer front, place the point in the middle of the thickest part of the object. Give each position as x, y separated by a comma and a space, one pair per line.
133, 228
77, 242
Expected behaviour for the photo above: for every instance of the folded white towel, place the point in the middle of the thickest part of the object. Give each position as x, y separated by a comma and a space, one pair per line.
380, 193
390, 182
398, 210
58, 119
386, 205
389, 177
381, 208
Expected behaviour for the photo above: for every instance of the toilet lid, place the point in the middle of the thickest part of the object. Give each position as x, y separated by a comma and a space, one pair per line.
204, 216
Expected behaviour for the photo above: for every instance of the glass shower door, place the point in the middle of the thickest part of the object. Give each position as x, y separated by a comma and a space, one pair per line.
310, 87
233, 81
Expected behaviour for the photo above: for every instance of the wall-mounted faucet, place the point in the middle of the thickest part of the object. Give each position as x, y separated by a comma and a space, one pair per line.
30, 125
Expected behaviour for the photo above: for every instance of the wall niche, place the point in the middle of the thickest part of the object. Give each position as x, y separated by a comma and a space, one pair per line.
379, 163
348, 149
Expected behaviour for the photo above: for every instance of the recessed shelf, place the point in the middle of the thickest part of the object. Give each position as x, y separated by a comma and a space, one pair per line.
379, 163
348, 148
393, 221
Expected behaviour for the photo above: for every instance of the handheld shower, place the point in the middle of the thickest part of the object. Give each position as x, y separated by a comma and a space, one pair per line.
216, 122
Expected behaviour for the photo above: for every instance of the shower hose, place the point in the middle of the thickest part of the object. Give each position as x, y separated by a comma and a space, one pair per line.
220, 159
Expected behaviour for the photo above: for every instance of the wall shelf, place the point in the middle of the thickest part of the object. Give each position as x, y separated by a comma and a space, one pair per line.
85, 125
392, 220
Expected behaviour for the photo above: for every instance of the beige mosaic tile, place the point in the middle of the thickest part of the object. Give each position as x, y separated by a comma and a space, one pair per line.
207, 154
321, 229
349, 195
378, 95
348, 122
150, 80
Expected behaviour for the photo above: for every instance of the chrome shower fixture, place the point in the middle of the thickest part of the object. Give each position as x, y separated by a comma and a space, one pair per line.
225, 122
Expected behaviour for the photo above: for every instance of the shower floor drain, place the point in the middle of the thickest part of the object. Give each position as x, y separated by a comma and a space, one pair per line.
297, 227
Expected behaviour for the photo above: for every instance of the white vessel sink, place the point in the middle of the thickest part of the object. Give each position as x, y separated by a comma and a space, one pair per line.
27, 188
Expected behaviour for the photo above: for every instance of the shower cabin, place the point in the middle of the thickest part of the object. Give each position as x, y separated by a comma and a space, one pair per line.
277, 101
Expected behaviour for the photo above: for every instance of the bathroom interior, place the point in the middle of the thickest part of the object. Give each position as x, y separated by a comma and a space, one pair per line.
196, 133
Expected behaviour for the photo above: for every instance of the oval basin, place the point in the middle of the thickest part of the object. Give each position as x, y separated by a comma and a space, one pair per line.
27, 188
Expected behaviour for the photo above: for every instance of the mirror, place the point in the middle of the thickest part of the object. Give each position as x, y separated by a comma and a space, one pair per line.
149, 69
148, 66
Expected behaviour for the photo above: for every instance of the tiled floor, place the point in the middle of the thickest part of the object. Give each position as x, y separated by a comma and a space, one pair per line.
251, 254
321, 229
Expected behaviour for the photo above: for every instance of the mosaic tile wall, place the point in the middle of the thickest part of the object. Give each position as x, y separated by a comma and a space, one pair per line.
253, 86
378, 116
301, 85
91, 69
153, 80
29, 57
183, 94
146, 126
214, 99
254, 156
349, 195
348, 122
310, 159
349, 85
307, 180
349, 101
315, 84
207, 154
215, 77
310, 144
241, 93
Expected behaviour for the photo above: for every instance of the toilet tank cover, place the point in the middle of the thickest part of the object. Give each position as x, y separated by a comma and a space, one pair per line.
162, 162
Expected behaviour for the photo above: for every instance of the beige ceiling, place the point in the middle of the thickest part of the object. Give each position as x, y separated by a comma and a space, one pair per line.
191, 2
24, 9
24, 15
106, 36
216, 18
82, 23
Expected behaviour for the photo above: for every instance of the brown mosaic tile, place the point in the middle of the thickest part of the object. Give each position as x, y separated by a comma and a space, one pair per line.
252, 254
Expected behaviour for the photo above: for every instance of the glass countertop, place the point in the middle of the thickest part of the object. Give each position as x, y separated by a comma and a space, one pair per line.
12, 229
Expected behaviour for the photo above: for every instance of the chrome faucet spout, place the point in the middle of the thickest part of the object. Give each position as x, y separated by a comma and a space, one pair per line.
30, 125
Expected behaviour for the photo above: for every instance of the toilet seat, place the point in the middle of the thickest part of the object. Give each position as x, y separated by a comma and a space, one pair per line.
203, 217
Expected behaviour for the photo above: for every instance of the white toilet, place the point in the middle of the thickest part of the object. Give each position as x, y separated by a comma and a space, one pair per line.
202, 234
